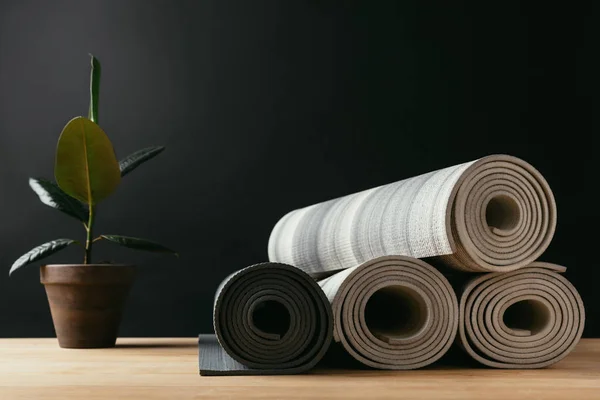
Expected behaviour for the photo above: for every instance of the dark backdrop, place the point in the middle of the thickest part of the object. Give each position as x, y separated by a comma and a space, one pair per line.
266, 106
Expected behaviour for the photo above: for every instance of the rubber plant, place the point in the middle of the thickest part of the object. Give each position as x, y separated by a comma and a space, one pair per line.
86, 172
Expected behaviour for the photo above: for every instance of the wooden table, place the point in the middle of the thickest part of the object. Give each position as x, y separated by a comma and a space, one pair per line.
168, 369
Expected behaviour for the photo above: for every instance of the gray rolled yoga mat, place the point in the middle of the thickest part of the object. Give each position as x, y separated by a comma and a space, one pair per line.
393, 312
269, 318
530, 318
493, 214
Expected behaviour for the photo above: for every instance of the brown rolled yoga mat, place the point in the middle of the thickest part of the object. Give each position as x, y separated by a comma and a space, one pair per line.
393, 312
530, 318
269, 318
495, 214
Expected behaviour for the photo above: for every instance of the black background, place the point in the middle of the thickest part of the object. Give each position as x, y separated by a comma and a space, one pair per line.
267, 106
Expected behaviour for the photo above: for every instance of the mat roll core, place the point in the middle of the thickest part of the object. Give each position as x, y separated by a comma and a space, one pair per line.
494, 214
393, 312
530, 318
269, 318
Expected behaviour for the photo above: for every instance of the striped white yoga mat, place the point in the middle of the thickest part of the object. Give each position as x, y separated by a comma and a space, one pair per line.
493, 214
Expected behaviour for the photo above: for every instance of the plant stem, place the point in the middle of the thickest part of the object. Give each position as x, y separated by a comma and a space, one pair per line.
90, 233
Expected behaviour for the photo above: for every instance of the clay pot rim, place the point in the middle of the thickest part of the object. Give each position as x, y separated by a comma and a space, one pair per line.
87, 274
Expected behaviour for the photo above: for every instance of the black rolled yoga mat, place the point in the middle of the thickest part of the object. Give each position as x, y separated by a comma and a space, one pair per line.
269, 318
393, 312
529, 318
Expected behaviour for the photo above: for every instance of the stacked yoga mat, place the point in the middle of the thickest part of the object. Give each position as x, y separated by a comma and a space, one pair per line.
377, 293
269, 318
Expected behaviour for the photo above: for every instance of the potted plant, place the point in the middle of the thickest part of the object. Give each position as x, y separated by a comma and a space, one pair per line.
86, 300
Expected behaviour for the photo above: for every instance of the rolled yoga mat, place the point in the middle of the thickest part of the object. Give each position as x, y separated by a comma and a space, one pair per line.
393, 312
530, 318
494, 214
268, 318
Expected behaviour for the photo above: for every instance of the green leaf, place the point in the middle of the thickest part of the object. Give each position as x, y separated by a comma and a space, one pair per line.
138, 244
40, 252
86, 167
94, 89
53, 196
133, 160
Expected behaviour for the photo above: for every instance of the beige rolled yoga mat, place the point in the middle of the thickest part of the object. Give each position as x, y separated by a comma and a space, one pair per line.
493, 214
269, 318
393, 312
530, 318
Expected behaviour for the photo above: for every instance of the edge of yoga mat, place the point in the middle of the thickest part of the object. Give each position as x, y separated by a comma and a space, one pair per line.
548, 281
251, 286
429, 295
213, 360
477, 248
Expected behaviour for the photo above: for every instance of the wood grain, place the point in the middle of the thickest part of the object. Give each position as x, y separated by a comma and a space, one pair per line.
168, 369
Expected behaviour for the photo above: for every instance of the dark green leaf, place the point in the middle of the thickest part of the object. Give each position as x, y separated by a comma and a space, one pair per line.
53, 196
132, 161
94, 89
138, 244
40, 252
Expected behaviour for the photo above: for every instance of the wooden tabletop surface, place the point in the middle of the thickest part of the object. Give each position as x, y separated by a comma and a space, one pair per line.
168, 369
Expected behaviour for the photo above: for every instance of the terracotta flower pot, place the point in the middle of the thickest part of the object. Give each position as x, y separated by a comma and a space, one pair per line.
86, 302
